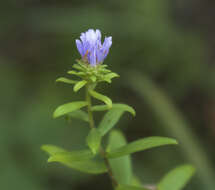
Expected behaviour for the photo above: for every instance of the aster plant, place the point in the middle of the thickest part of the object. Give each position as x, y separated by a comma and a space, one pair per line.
114, 156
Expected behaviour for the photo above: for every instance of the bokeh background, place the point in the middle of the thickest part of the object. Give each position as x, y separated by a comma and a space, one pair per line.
164, 52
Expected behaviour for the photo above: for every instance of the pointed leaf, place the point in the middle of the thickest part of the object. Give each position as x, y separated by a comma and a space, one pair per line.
79, 85
71, 156
69, 107
94, 140
57, 154
82, 163
79, 114
123, 107
177, 178
101, 97
109, 120
129, 187
79, 160
51, 149
100, 108
121, 167
140, 145
66, 80
112, 117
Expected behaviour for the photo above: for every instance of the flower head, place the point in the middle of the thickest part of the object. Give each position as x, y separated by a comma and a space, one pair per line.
91, 48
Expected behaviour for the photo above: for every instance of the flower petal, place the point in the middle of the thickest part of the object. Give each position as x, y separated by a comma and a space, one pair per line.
80, 47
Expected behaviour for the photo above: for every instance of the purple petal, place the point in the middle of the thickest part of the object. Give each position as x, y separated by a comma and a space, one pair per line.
80, 47
92, 56
98, 34
106, 46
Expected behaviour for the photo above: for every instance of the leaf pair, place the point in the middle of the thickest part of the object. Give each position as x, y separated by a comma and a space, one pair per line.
75, 107
79, 160
118, 153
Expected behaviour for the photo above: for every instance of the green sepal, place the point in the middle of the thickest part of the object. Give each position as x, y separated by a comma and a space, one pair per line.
69, 107
66, 80
102, 98
99, 73
108, 77
94, 140
177, 178
140, 145
79, 85
79, 74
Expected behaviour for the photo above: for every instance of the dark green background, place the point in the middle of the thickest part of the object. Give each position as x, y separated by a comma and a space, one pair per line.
164, 52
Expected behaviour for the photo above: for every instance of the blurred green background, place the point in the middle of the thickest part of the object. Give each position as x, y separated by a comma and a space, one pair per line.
164, 52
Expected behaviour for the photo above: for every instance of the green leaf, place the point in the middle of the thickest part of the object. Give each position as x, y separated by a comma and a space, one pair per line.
66, 80
109, 120
51, 149
71, 156
56, 154
94, 140
112, 117
88, 166
101, 97
177, 178
79, 114
123, 107
79, 160
69, 107
100, 108
129, 187
136, 182
140, 145
121, 167
79, 85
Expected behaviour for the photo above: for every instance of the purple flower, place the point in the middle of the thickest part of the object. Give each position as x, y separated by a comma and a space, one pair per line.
91, 48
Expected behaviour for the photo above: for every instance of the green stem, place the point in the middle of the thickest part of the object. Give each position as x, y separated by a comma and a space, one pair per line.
92, 125
90, 114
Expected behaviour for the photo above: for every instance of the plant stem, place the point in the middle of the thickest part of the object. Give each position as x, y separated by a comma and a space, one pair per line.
92, 125
90, 114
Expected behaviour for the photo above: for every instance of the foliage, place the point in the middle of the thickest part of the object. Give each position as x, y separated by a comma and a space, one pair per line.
115, 159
